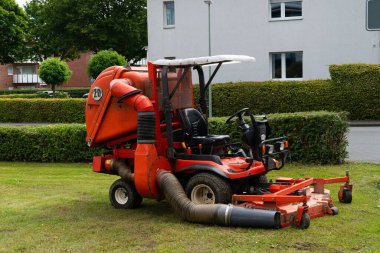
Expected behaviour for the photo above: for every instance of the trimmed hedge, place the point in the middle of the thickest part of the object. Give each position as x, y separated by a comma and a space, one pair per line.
44, 110
358, 88
22, 96
58, 94
54, 143
354, 88
314, 137
273, 97
19, 91
73, 92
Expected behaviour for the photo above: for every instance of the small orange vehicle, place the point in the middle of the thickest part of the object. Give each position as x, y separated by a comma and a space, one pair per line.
160, 146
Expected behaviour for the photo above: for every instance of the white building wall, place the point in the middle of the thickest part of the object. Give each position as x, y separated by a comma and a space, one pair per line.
330, 32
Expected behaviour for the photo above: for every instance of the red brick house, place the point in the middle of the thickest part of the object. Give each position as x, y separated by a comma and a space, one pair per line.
24, 75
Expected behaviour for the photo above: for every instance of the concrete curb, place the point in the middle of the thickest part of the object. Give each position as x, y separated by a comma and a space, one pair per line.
364, 123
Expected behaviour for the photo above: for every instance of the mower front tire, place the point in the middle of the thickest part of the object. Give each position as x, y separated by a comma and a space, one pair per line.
346, 196
207, 188
123, 195
305, 221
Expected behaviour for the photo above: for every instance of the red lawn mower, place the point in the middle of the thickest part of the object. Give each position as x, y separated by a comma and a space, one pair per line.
160, 146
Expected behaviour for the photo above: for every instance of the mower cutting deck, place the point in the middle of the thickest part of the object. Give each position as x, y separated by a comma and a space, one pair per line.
296, 200
160, 146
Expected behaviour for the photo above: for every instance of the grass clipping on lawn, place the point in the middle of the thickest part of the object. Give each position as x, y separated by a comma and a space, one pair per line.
65, 208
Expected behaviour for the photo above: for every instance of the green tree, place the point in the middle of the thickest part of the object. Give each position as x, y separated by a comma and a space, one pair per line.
13, 24
65, 28
54, 72
102, 60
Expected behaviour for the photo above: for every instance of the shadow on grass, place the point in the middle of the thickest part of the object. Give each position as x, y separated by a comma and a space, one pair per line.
103, 211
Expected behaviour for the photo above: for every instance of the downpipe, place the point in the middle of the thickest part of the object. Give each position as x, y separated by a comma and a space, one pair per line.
218, 214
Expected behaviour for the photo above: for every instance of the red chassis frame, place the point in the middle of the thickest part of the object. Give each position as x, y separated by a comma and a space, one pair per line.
315, 203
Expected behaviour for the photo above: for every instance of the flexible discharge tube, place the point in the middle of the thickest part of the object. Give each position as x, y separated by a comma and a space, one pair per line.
219, 214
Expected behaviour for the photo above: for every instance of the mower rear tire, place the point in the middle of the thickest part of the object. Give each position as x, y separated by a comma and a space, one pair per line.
124, 195
207, 188
346, 196
260, 180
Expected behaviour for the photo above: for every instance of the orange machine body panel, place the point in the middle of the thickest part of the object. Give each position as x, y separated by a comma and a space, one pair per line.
106, 118
148, 163
112, 118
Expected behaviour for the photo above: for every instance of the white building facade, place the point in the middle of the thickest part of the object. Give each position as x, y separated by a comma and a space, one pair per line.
291, 40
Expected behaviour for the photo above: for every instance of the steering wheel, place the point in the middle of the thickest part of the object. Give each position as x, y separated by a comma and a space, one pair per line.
239, 115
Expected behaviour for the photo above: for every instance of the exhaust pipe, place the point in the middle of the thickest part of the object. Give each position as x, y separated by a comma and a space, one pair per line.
120, 168
219, 214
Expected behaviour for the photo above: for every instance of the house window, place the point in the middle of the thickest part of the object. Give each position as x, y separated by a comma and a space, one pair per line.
10, 70
169, 14
285, 9
25, 70
287, 65
276, 10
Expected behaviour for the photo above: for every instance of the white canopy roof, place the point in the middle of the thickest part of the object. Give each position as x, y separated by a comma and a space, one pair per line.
207, 60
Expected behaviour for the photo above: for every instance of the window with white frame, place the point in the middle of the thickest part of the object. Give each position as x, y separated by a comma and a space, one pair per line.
25, 70
285, 9
10, 70
169, 14
287, 65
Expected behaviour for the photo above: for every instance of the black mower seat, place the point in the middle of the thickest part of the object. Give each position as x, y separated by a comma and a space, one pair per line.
196, 131
216, 140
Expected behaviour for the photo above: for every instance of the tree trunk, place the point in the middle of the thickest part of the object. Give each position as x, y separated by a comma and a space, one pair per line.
53, 88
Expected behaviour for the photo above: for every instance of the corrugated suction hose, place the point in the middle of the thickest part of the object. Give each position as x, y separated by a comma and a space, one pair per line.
120, 168
219, 214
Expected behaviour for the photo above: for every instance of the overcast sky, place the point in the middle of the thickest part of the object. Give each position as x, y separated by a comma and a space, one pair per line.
22, 2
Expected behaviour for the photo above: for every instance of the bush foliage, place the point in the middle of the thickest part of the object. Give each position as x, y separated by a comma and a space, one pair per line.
358, 89
354, 88
54, 143
73, 92
42, 110
35, 95
273, 97
102, 60
315, 137
54, 71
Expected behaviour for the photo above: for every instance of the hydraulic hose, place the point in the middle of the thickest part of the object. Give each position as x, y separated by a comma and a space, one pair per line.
219, 214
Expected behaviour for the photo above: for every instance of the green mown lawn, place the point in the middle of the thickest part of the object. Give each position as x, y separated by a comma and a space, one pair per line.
65, 208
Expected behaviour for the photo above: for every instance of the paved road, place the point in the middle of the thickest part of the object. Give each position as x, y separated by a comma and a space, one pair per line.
364, 144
